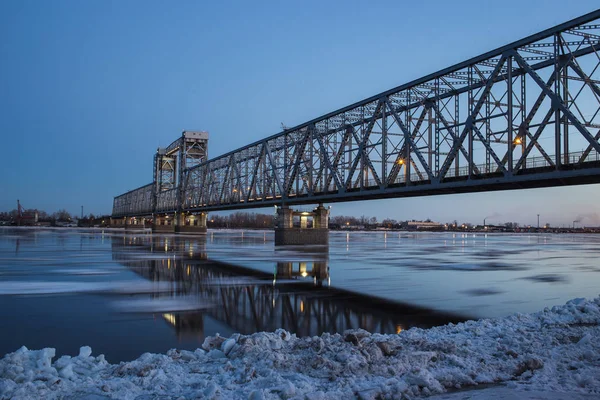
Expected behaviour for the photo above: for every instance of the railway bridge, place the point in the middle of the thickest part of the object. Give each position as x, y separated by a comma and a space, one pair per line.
524, 115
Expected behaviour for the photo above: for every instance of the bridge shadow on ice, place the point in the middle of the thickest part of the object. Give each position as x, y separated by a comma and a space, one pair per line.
296, 296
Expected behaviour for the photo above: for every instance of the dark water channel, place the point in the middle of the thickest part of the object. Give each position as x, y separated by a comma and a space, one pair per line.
125, 294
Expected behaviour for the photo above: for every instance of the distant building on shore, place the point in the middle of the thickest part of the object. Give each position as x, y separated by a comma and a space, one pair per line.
423, 226
28, 218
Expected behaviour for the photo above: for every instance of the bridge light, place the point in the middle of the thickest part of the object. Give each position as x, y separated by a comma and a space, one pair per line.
401, 161
518, 140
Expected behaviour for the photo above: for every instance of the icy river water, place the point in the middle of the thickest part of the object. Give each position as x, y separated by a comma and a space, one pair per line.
129, 293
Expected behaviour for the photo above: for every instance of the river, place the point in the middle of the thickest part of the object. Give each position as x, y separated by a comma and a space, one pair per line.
125, 294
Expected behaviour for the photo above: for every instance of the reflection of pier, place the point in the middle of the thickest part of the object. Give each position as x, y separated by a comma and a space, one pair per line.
248, 300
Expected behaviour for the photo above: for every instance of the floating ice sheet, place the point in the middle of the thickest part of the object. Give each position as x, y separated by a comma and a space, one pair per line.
64, 287
161, 305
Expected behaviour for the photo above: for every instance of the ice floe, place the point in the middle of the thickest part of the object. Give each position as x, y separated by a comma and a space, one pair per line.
186, 303
64, 287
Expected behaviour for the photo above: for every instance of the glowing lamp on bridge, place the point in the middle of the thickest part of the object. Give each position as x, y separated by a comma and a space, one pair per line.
518, 140
401, 161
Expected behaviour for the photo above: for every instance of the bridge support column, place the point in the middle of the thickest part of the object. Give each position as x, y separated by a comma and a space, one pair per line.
191, 223
303, 231
321, 218
117, 222
163, 223
134, 224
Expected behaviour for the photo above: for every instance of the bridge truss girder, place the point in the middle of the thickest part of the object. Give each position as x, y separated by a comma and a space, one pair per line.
524, 115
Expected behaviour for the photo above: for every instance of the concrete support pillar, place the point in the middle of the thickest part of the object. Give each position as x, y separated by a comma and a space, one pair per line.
163, 223
179, 219
321, 218
117, 222
191, 223
134, 223
202, 217
286, 234
285, 217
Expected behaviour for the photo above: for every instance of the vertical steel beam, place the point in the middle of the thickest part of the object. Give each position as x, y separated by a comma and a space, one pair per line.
509, 136
557, 138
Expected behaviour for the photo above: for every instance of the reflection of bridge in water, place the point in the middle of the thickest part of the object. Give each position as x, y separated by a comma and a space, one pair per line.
296, 296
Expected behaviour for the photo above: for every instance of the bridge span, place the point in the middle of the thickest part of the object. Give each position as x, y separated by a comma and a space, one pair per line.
524, 115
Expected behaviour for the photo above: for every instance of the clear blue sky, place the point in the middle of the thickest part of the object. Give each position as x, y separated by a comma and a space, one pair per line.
90, 89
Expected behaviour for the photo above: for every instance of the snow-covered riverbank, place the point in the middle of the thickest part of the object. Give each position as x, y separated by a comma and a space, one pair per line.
556, 350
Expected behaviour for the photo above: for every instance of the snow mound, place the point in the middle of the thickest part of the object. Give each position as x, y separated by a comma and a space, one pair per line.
556, 350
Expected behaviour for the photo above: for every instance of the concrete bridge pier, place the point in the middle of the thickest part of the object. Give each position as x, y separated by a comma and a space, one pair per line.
134, 223
191, 223
302, 227
117, 222
163, 223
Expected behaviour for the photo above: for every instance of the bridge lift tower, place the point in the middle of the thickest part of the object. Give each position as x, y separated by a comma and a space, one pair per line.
172, 165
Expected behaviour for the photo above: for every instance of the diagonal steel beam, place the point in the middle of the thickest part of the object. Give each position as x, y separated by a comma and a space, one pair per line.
524, 127
333, 170
274, 168
585, 78
410, 142
450, 130
299, 154
257, 164
490, 150
396, 168
225, 178
340, 153
469, 123
588, 150
557, 103
362, 143
534, 141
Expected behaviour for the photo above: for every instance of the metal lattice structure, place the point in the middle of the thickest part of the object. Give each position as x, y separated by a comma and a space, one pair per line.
172, 165
524, 115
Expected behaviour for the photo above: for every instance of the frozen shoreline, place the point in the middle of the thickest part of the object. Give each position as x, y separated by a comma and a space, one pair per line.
556, 350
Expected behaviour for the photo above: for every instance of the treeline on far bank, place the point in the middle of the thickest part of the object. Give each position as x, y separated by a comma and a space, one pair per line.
240, 220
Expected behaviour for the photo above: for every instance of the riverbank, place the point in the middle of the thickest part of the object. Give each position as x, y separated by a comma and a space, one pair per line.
556, 350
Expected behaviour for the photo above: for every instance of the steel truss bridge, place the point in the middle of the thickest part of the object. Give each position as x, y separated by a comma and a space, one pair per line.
521, 116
